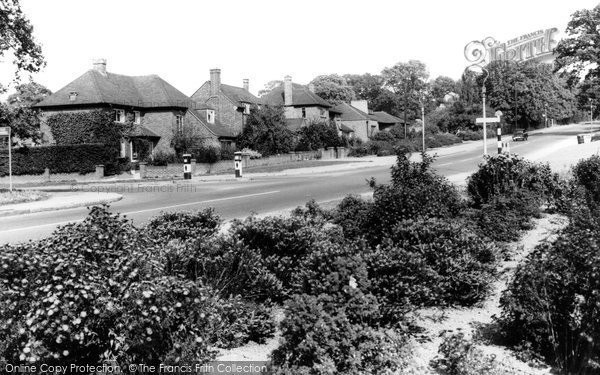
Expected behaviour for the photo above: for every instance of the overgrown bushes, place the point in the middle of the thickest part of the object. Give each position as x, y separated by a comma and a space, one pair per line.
80, 158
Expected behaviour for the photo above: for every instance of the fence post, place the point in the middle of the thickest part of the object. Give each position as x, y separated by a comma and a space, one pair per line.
99, 171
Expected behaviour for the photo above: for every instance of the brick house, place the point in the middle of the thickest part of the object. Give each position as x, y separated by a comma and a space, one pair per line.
355, 116
232, 103
158, 110
301, 104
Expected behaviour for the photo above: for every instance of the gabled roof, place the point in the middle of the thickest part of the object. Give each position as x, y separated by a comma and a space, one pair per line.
94, 87
301, 96
350, 113
217, 128
386, 118
239, 94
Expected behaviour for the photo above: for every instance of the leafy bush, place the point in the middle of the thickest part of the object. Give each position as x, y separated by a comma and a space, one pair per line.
432, 262
415, 192
506, 173
86, 127
207, 153
227, 152
265, 131
319, 339
162, 158
586, 174
505, 216
470, 135
440, 140
183, 225
253, 154
317, 135
551, 304
352, 215
81, 158
283, 242
97, 290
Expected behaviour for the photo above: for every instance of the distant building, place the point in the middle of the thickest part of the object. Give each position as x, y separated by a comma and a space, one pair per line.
386, 121
355, 115
300, 103
158, 109
232, 103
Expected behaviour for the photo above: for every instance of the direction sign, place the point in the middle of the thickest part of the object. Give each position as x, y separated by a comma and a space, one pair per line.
5, 131
481, 120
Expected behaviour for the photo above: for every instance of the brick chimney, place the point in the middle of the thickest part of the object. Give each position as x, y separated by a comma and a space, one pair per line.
311, 87
99, 65
246, 84
215, 82
287, 91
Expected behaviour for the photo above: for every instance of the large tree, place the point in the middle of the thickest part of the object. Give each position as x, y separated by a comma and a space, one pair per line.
442, 86
366, 86
19, 114
16, 40
408, 82
265, 131
333, 88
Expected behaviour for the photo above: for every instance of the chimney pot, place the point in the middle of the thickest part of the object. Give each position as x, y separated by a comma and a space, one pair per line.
246, 84
287, 91
99, 65
215, 82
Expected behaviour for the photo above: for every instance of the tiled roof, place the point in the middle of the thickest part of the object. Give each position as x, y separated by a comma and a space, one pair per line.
385, 117
346, 129
217, 128
239, 94
143, 132
137, 91
350, 113
301, 96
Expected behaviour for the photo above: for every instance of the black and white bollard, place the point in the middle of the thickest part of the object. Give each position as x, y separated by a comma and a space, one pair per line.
499, 134
187, 166
237, 158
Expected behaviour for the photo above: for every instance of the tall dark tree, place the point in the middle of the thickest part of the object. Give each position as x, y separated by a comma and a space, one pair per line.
19, 114
407, 81
16, 40
265, 131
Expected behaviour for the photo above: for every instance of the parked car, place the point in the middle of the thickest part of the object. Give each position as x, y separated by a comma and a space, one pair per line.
520, 135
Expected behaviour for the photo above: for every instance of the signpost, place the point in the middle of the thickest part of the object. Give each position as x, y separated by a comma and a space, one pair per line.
5, 132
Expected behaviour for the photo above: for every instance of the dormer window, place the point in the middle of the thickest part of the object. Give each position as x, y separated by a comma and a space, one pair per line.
137, 118
73, 96
119, 115
210, 116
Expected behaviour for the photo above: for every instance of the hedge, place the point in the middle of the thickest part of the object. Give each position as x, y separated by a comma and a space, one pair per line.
81, 158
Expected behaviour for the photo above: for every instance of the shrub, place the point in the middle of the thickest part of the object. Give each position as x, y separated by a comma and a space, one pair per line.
81, 158
97, 291
586, 174
432, 262
317, 135
183, 225
283, 242
383, 137
415, 192
506, 215
352, 215
207, 153
86, 127
506, 173
551, 304
317, 339
469, 135
162, 158
440, 140
253, 154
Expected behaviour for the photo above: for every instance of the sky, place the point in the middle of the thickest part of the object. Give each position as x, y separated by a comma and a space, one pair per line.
264, 40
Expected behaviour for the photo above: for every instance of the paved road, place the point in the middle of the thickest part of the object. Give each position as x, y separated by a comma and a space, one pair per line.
233, 199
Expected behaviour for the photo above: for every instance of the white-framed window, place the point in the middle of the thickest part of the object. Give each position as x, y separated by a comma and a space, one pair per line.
246, 108
303, 112
73, 96
210, 116
137, 117
179, 123
119, 115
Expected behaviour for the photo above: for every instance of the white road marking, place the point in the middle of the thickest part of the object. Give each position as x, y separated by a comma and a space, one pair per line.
148, 210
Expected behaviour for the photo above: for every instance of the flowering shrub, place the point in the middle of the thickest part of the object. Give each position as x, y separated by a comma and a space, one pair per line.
183, 225
253, 154
97, 290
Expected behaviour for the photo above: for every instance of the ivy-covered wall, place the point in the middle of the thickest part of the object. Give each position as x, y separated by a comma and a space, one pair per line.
78, 127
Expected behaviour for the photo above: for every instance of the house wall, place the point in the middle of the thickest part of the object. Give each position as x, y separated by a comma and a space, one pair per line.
360, 128
227, 112
312, 113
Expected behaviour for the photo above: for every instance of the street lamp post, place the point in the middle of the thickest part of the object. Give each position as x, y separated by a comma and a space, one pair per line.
423, 121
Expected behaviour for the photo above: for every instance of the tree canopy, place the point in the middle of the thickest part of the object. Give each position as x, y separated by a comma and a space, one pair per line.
16, 40
265, 131
333, 88
18, 114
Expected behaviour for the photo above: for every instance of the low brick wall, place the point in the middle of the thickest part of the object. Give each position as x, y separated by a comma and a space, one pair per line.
47, 178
